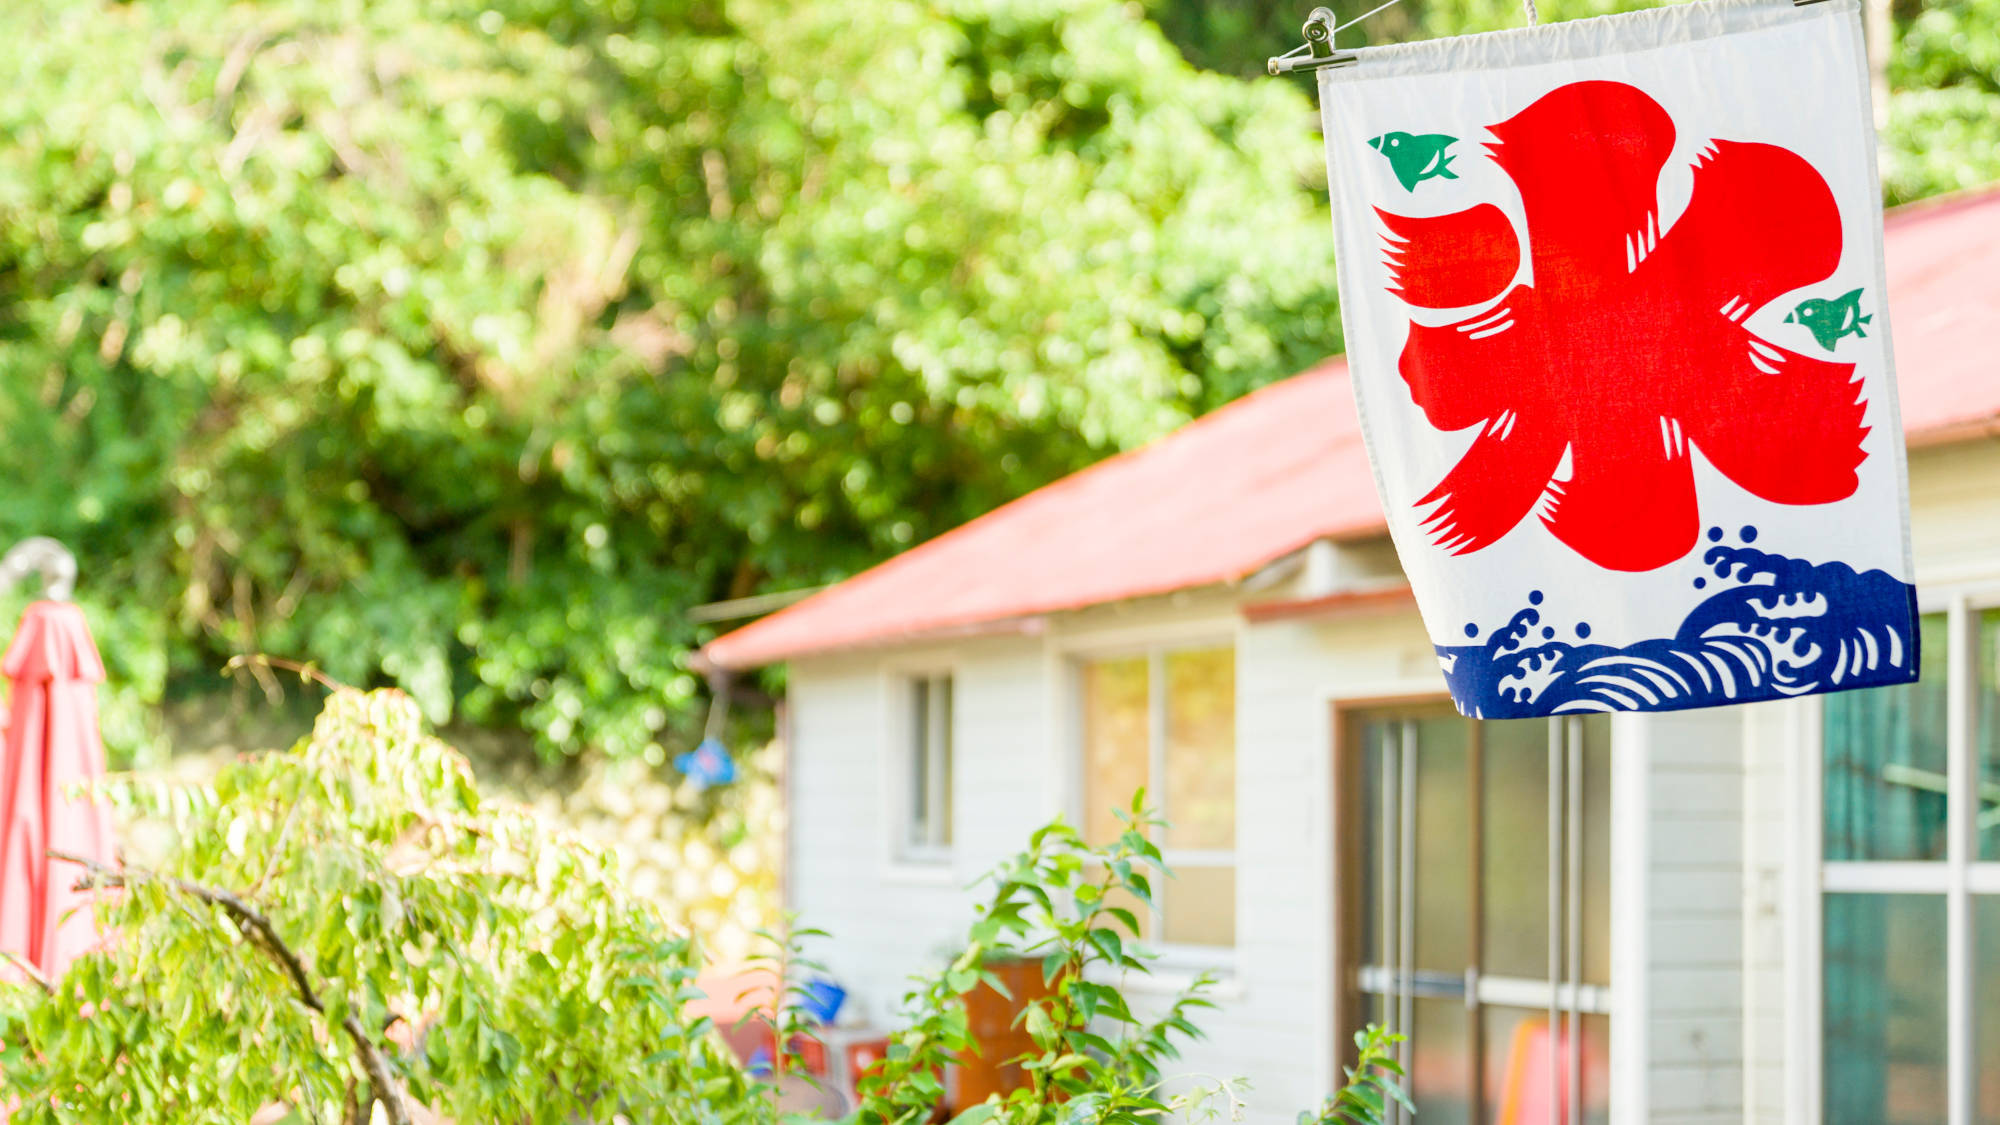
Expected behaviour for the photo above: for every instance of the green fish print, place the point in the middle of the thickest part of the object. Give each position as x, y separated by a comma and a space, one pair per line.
1831, 321
1416, 158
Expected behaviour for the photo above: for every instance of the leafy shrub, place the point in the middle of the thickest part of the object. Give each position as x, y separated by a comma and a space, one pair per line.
348, 926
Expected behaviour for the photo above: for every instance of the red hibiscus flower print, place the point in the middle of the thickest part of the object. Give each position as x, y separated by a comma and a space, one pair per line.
1625, 348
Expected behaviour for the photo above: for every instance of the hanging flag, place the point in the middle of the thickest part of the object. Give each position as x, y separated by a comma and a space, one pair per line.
1614, 304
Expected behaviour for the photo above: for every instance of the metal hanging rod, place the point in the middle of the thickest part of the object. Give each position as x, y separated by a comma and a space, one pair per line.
1317, 52
44, 557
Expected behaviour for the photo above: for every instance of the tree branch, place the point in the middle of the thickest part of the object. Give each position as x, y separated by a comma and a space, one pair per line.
257, 926
28, 970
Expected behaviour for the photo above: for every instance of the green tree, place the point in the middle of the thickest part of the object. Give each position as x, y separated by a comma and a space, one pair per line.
348, 924
464, 345
1944, 114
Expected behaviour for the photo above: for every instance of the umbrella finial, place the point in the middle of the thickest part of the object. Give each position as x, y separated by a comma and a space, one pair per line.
46, 557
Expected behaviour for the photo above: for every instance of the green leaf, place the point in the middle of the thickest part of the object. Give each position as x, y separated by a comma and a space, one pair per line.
976, 1115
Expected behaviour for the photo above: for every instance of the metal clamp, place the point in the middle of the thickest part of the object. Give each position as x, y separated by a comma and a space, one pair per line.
1316, 53
45, 557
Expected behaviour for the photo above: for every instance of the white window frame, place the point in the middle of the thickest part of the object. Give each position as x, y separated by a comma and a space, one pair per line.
938, 742
1155, 650
1956, 878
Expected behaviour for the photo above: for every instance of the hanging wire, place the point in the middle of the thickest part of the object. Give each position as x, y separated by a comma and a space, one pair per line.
1318, 50
1304, 50
1382, 8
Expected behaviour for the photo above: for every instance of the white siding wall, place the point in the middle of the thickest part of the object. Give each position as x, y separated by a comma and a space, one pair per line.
888, 919
1770, 752
1693, 915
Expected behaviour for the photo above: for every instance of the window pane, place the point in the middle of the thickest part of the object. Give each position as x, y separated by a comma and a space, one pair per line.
920, 763
1375, 848
1517, 1067
1596, 1066
1198, 906
1986, 946
1596, 850
1441, 1061
1115, 742
1987, 697
1444, 845
1515, 793
1884, 1015
1885, 764
1201, 749
941, 755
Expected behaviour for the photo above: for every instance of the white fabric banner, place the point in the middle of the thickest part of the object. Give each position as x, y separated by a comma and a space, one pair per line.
1615, 316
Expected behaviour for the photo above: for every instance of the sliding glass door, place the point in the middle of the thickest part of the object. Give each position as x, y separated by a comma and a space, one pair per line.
1476, 908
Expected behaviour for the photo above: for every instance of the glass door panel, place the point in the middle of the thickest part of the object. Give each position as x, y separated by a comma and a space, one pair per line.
1452, 870
1514, 863
1518, 1071
1443, 868
1442, 1042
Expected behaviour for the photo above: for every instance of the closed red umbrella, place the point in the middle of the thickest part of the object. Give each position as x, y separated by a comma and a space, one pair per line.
51, 745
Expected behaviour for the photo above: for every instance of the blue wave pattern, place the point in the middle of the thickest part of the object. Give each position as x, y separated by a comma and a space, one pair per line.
1777, 627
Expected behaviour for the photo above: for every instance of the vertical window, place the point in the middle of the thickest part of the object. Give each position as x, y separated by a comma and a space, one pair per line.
1911, 795
1167, 721
927, 779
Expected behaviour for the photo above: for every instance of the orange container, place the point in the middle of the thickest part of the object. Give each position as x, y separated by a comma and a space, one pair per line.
997, 1033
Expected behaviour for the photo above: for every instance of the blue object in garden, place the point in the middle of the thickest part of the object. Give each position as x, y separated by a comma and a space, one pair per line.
821, 999
708, 763
759, 1063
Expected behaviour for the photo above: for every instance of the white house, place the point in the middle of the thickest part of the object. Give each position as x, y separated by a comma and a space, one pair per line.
1783, 912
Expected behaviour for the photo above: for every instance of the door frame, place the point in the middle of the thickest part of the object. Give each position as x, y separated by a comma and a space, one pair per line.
1629, 764
1345, 802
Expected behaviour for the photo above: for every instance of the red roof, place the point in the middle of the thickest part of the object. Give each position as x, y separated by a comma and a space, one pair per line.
1944, 305
1275, 470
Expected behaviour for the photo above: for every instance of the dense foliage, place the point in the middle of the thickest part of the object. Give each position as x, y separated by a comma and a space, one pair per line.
1944, 116
349, 923
464, 345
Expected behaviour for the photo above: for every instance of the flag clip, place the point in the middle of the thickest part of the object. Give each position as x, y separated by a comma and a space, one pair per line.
1316, 53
